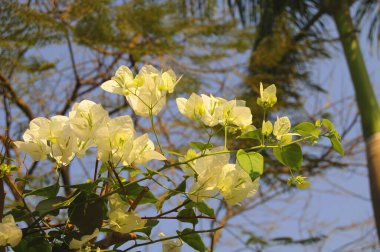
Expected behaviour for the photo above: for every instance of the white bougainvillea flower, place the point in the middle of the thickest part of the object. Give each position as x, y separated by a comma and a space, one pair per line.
35, 138
267, 128
188, 166
53, 137
113, 138
86, 118
78, 244
169, 81
211, 104
120, 220
63, 141
145, 93
141, 151
121, 83
10, 233
234, 112
215, 174
281, 129
235, 184
215, 110
206, 171
150, 96
36, 148
267, 96
40, 127
192, 108
170, 245
125, 222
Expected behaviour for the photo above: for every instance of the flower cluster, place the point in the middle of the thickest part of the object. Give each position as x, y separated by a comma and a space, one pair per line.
215, 110
213, 173
10, 233
208, 169
121, 219
267, 97
146, 92
88, 125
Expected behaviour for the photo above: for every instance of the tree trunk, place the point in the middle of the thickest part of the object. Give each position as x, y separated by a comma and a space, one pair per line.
365, 98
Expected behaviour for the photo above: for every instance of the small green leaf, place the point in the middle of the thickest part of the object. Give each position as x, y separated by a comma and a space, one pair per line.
33, 244
87, 187
201, 146
19, 213
133, 190
87, 212
256, 134
192, 239
304, 185
49, 206
187, 215
205, 209
251, 162
328, 124
306, 128
290, 155
48, 192
337, 146
150, 224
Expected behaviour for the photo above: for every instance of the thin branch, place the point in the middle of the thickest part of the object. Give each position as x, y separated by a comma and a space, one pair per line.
20, 103
76, 75
173, 237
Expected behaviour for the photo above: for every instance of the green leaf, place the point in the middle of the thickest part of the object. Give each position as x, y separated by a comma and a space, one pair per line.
192, 239
133, 190
251, 162
87, 187
19, 213
337, 146
290, 155
306, 128
328, 124
201, 146
256, 134
150, 224
205, 209
48, 192
69, 200
253, 239
87, 212
167, 195
33, 244
189, 215
304, 185
49, 206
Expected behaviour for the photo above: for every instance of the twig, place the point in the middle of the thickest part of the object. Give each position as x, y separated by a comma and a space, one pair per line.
138, 199
173, 237
174, 209
179, 217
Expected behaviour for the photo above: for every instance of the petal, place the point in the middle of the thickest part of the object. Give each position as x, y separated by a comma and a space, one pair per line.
181, 104
112, 87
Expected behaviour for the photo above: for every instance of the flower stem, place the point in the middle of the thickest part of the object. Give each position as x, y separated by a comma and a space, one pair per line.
154, 131
225, 137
